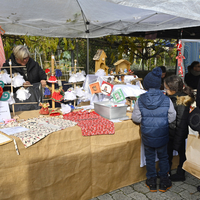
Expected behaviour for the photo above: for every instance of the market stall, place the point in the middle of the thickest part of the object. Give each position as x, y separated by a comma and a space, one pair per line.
67, 165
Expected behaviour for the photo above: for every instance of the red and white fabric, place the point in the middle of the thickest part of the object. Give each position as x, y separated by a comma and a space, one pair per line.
91, 123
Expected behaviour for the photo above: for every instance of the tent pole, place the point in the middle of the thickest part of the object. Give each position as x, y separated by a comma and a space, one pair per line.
87, 55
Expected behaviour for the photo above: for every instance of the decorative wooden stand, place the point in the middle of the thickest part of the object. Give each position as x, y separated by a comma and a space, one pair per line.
76, 83
11, 85
53, 84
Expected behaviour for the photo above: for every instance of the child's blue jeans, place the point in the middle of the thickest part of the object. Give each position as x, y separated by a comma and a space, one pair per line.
150, 154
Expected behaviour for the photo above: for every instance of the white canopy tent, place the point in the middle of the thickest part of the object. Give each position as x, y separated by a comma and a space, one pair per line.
95, 18
182, 8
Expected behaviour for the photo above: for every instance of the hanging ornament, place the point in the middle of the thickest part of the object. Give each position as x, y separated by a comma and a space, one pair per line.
52, 79
47, 91
180, 58
23, 94
58, 95
58, 73
47, 71
179, 45
18, 80
5, 77
180, 71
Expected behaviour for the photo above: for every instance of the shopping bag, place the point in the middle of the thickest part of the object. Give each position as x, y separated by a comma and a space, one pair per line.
192, 163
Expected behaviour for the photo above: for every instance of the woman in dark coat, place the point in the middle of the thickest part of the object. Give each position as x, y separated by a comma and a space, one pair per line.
32, 73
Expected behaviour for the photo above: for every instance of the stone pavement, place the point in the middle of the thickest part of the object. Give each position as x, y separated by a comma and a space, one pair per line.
138, 191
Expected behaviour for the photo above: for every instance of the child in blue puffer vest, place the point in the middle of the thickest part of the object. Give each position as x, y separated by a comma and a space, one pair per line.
155, 111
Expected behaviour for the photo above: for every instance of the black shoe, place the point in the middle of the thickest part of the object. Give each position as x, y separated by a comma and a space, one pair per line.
165, 184
198, 188
152, 184
177, 177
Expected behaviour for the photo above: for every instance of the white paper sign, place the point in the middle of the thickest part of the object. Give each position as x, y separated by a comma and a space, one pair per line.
4, 110
13, 130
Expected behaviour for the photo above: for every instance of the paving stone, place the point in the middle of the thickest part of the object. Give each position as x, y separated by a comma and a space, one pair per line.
177, 183
114, 191
105, 197
192, 181
186, 190
155, 196
176, 189
141, 188
186, 195
120, 196
171, 195
189, 188
195, 196
127, 190
189, 175
137, 195
135, 184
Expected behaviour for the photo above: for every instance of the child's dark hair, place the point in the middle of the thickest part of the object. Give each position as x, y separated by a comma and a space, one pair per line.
175, 83
163, 68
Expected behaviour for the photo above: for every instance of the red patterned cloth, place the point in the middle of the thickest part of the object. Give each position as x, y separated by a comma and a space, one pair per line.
91, 123
2, 54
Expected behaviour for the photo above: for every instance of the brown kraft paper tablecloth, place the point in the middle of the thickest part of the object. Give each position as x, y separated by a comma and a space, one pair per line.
68, 166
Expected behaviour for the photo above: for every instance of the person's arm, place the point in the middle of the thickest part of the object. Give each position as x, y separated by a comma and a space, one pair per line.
136, 115
42, 75
198, 95
171, 112
181, 126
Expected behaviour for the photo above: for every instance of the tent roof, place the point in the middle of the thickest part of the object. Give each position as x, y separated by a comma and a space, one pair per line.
183, 33
95, 18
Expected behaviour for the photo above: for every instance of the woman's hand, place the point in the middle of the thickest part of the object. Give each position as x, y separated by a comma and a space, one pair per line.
43, 83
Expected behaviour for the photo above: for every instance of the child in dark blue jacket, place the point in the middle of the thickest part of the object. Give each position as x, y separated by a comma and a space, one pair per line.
155, 111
